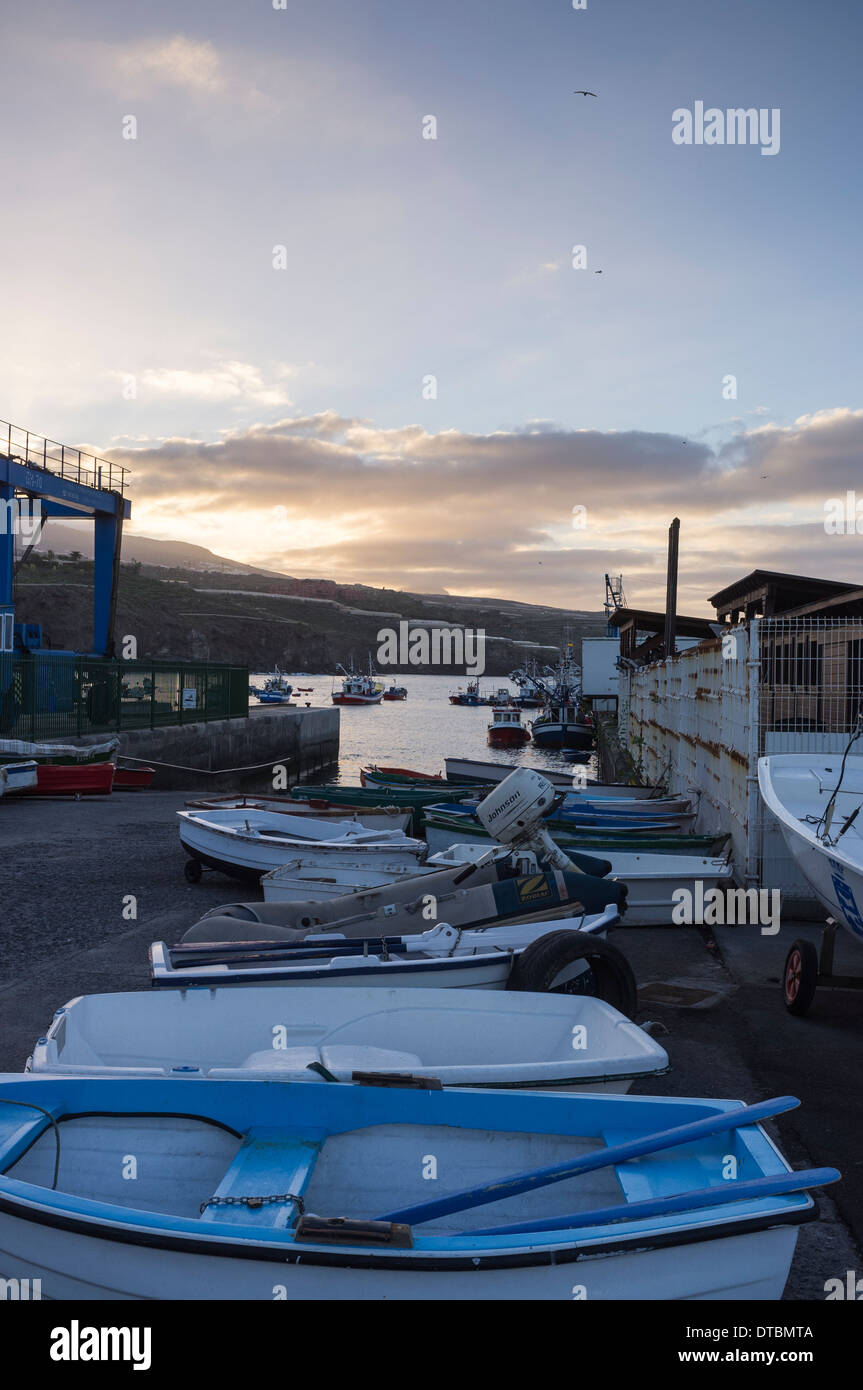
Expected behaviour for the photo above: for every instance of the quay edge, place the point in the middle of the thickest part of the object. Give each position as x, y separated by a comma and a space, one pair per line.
226, 754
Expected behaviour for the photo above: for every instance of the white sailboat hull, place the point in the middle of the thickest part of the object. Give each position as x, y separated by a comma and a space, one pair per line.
798, 785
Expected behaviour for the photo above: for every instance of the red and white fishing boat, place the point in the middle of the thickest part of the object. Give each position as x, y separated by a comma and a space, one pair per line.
358, 689
506, 729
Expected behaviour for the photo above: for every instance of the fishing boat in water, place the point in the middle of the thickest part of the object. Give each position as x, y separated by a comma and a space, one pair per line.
316, 1191
477, 1038
276, 689
357, 688
395, 692
506, 729
468, 696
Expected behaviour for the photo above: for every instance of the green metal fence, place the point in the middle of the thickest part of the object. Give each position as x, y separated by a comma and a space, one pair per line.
48, 696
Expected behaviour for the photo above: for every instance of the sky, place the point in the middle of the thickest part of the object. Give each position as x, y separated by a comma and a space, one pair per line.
328, 345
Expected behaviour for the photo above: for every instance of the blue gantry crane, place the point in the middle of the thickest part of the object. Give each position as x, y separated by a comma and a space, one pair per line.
40, 479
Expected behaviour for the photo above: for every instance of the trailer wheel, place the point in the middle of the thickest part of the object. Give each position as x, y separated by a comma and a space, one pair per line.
800, 977
544, 967
193, 871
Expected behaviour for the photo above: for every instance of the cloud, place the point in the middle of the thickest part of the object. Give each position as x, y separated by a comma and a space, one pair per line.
239, 382
493, 513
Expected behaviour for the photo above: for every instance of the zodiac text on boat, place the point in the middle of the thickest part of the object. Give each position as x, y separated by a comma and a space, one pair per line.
432, 646
717, 907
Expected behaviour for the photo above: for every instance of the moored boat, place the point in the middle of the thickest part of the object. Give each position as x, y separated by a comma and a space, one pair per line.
358, 689
395, 692
250, 1187
506, 729
276, 689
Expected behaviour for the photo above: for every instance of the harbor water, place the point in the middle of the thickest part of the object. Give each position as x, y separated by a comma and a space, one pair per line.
419, 732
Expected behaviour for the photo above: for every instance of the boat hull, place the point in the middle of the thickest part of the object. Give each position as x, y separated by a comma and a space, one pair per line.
508, 738
555, 735
77, 1265
351, 1152
795, 783
72, 779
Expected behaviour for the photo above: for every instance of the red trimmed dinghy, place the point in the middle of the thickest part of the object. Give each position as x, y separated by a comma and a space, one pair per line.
317, 1191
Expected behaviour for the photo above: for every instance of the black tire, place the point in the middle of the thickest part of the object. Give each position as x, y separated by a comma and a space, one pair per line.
800, 977
193, 870
609, 975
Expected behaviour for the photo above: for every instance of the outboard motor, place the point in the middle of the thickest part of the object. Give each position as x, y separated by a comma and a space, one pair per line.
514, 812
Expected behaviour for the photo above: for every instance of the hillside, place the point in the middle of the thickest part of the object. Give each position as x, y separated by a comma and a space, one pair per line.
257, 618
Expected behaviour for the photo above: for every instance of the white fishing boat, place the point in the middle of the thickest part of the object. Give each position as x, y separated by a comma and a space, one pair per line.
472, 770
246, 1190
357, 688
572, 958
18, 777
249, 842
458, 1038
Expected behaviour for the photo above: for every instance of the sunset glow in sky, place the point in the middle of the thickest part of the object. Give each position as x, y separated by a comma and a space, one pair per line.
283, 416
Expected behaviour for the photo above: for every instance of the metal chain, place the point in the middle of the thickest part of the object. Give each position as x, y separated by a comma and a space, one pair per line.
255, 1202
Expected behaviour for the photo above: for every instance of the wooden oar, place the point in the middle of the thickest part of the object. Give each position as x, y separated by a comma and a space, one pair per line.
684, 1202
588, 1163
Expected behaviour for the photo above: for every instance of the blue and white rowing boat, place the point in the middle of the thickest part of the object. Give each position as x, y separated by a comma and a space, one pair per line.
260, 1190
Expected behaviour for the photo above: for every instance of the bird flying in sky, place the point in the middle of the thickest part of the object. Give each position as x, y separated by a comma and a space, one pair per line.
584, 94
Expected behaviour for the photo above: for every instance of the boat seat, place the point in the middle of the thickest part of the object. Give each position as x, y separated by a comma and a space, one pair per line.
336, 1058
268, 1162
19, 1128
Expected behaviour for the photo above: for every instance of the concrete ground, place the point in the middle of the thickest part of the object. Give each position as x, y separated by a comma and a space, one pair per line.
68, 869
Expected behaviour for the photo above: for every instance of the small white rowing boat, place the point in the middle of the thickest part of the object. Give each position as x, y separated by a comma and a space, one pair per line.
248, 842
442, 956
455, 1038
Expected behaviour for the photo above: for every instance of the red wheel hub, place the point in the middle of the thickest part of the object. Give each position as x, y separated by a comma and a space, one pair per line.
793, 972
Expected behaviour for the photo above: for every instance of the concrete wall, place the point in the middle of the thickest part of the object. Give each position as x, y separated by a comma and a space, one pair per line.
229, 753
